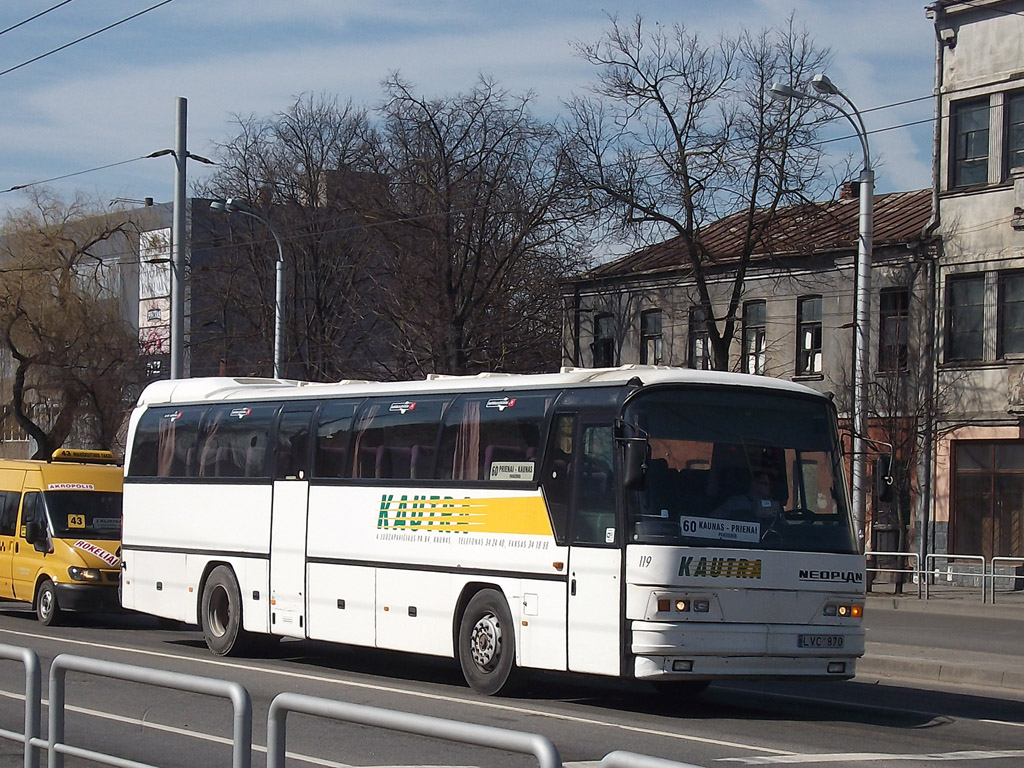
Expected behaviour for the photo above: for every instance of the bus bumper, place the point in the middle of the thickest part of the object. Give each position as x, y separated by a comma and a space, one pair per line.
87, 597
696, 650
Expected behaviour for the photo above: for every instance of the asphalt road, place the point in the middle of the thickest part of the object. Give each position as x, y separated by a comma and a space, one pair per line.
863, 722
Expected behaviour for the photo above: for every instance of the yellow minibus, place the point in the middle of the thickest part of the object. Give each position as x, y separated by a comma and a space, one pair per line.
60, 532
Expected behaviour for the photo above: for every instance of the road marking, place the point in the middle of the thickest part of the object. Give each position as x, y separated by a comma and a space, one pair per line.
1002, 722
865, 757
475, 702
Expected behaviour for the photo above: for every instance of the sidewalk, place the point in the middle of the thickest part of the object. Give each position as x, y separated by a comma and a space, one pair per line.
919, 660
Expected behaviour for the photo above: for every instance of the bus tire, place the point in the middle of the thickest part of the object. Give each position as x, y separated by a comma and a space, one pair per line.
487, 644
47, 608
222, 613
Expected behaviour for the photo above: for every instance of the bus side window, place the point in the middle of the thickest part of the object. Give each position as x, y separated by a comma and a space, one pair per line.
32, 512
493, 437
164, 444
332, 433
396, 438
234, 441
8, 512
558, 468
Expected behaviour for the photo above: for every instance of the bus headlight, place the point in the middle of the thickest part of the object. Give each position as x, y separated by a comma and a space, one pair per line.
844, 610
83, 574
684, 605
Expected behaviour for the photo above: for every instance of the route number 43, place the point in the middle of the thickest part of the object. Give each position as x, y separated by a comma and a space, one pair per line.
76, 521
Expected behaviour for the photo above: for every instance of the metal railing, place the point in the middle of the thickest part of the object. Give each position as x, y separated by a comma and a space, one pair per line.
1017, 562
952, 570
241, 745
29, 735
620, 759
421, 725
453, 730
959, 572
914, 571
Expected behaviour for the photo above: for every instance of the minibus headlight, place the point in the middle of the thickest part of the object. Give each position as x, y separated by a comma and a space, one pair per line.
83, 574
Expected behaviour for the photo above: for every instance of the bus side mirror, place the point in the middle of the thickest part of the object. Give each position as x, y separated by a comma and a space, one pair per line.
883, 478
635, 453
31, 531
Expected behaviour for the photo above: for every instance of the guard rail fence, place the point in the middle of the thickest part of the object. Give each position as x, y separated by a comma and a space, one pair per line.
939, 574
56, 747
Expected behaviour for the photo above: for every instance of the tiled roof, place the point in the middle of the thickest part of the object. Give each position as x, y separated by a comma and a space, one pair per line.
829, 227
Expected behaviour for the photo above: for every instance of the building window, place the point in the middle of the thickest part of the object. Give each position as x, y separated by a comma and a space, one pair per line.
965, 318
988, 512
808, 319
1014, 131
893, 321
753, 337
604, 341
970, 142
700, 351
650, 337
1011, 314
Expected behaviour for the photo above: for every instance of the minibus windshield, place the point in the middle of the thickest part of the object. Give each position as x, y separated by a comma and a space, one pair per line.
84, 514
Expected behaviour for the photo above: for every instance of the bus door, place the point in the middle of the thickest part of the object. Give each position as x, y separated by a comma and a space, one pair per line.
10, 500
595, 555
289, 521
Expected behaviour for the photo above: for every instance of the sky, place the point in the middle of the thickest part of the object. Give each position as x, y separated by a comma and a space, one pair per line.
110, 99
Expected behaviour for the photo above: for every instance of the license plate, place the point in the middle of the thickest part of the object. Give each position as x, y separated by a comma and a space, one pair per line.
820, 641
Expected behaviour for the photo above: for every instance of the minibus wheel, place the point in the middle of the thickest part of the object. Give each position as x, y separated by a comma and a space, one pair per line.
222, 613
487, 644
47, 610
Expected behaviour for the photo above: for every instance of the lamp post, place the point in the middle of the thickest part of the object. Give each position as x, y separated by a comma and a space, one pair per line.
238, 205
862, 285
180, 155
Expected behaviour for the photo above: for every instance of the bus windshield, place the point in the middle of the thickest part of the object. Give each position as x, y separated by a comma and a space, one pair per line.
739, 468
84, 514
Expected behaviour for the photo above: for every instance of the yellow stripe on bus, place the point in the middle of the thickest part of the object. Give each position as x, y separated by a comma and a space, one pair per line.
519, 515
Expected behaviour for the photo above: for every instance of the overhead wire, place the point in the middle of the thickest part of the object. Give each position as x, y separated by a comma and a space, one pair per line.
23, 22
84, 37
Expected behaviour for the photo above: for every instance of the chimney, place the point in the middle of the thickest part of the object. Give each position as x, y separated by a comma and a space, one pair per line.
850, 190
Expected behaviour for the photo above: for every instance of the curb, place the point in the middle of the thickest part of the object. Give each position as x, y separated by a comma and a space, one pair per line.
960, 606
902, 667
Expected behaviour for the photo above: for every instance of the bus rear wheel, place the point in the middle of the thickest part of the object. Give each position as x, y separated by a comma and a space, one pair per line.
487, 644
222, 613
47, 609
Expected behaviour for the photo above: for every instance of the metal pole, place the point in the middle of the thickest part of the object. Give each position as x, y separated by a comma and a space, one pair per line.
278, 310
177, 244
862, 352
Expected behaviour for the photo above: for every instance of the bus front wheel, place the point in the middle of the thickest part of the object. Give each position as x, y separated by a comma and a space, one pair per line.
487, 644
222, 613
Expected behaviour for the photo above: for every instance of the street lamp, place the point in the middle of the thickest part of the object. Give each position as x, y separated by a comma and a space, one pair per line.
238, 205
180, 155
862, 286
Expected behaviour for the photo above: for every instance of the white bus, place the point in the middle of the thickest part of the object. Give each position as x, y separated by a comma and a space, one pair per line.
667, 525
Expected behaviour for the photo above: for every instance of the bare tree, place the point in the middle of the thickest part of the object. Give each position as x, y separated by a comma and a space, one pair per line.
477, 219
295, 167
680, 133
75, 357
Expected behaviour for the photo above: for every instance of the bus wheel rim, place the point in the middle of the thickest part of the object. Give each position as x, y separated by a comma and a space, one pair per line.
220, 612
485, 642
46, 602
